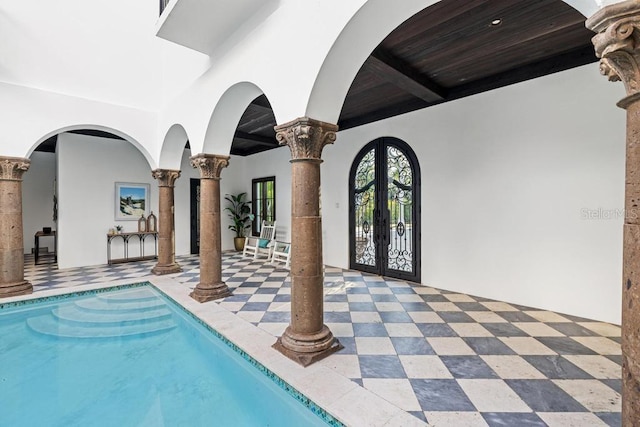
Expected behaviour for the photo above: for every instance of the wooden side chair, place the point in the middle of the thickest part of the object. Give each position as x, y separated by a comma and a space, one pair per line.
281, 251
255, 246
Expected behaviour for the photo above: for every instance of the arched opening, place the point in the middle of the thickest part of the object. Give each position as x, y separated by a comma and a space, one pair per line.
384, 209
73, 179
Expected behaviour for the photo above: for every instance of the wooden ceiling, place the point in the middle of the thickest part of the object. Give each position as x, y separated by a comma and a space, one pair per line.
448, 51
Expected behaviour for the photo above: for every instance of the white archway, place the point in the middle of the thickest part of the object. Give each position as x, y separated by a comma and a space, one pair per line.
226, 116
128, 138
172, 148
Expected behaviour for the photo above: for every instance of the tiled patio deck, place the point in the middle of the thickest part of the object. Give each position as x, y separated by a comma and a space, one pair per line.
449, 359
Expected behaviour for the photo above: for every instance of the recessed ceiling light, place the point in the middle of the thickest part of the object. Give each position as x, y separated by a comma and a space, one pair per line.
496, 22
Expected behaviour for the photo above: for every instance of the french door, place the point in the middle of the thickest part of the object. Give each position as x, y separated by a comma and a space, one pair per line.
384, 210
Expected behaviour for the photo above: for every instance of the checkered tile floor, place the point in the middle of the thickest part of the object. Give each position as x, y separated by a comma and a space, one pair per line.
447, 358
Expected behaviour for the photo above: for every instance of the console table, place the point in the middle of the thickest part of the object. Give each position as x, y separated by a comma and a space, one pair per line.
40, 234
126, 238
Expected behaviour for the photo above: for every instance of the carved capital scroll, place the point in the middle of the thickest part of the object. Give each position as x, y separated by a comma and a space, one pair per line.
12, 168
165, 177
210, 165
617, 43
306, 137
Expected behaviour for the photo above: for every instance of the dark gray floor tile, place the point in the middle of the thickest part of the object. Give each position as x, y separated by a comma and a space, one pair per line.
276, 317
616, 339
504, 330
572, 329
384, 298
238, 298
488, 345
375, 283
381, 367
615, 358
441, 395
468, 367
565, 345
415, 306
515, 316
556, 367
513, 419
455, 317
614, 384
544, 396
337, 317
358, 381
362, 306
267, 290
369, 330
411, 345
613, 419
419, 415
402, 290
436, 330
471, 306
395, 317
357, 291
255, 306
282, 298
434, 298
336, 298
349, 345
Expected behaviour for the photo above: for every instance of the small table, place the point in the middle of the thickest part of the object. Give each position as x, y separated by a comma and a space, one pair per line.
141, 235
40, 234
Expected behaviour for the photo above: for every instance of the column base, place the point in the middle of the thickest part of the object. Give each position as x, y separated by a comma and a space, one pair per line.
166, 269
306, 349
210, 292
15, 289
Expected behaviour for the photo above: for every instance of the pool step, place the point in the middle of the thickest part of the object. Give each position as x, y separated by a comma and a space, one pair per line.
133, 306
71, 314
125, 314
135, 295
48, 325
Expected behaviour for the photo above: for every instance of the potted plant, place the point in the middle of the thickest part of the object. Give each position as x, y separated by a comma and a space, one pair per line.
240, 213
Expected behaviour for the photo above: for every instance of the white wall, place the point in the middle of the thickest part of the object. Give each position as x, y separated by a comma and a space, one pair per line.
37, 199
88, 168
506, 177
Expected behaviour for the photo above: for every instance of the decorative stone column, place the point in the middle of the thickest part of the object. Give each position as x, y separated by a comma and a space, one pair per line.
211, 285
307, 339
166, 226
617, 43
12, 281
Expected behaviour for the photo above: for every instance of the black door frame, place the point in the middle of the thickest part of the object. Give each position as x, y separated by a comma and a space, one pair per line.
381, 216
195, 232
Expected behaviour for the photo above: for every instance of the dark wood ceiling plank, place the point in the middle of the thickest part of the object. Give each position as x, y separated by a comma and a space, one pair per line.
500, 40
244, 137
404, 77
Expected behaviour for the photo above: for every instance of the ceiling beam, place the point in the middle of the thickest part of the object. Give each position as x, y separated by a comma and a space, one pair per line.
400, 74
567, 60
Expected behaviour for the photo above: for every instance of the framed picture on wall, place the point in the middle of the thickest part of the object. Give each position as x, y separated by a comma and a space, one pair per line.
132, 201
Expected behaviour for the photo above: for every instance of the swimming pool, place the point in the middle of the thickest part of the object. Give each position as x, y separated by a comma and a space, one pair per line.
131, 357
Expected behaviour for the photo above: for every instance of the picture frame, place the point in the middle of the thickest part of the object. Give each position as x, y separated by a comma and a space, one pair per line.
131, 201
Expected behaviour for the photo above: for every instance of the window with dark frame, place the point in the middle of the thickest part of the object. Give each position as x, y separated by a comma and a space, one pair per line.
263, 202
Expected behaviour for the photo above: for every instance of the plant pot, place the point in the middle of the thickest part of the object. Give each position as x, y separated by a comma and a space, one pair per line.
238, 242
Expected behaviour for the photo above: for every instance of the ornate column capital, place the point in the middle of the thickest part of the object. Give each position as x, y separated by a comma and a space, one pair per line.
306, 137
210, 165
165, 177
617, 43
12, 168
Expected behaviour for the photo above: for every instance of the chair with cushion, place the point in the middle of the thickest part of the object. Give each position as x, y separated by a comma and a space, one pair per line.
255, 246
281, 251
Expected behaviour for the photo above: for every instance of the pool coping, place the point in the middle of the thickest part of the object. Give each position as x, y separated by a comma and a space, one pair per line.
328, 394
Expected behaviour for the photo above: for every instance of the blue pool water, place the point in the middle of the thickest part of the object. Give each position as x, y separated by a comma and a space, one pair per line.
132, 358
